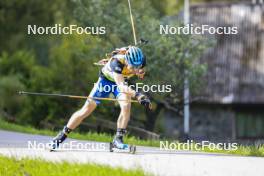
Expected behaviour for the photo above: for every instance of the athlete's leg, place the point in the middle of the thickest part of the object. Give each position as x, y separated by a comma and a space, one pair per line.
78, 116
122, 121
81, 114
90, 105
74, 121
124, 115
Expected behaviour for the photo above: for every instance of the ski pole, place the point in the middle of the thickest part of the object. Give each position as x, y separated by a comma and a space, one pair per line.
132, 22
72, 96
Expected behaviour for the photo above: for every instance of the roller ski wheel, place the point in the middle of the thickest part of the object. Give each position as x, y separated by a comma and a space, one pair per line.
132, 149
111, 146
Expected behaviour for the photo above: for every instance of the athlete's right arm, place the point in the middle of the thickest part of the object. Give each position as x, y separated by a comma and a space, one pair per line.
117, 68
121, 84
142, 99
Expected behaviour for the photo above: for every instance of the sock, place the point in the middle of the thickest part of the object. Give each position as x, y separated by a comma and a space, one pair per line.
120, 131
66, 130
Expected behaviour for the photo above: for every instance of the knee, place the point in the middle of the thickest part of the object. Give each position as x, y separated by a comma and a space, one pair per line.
88, 107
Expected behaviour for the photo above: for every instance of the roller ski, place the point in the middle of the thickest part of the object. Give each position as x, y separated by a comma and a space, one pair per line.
125, 147
118, 144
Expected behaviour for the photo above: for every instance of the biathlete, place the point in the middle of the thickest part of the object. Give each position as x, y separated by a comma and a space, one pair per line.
123, 64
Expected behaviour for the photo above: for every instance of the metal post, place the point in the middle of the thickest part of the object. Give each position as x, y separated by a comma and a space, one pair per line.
186, 92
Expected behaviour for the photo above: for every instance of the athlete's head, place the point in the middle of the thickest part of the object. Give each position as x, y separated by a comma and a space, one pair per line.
135, 57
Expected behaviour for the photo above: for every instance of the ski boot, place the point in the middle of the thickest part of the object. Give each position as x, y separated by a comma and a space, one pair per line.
118, 143
59, 139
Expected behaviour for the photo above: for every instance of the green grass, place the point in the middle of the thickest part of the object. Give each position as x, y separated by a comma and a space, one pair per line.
38, 167
243, 151
103, 137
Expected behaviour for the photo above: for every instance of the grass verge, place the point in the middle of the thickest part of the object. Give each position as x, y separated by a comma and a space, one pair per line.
32, 167
100, 137
241, 151
103, 137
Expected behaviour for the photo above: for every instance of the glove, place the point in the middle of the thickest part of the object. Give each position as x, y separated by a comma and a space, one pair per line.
143, 100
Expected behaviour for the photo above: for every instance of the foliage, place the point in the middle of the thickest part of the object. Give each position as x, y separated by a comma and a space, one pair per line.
67, 68
64, 63
8, 93
172, 7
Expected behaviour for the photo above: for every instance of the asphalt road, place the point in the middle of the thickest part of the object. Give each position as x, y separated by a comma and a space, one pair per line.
150, 159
